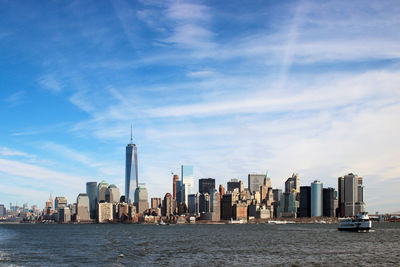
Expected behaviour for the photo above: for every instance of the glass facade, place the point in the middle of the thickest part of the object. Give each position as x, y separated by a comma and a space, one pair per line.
187, 181
131, 172
316, 199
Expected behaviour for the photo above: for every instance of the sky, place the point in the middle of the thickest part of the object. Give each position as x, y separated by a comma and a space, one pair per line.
230, 87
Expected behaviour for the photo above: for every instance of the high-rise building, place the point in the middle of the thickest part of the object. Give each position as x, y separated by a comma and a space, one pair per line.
82, 208
179, 193
234, 184
175, 179
106, 212
204, 202
3, 211
340, 208
206, 185
187, 182
131, 170
329, 202
101, 191
60, 202
305, 201
112, 194
155, 202
221, 190
215, 205
194, 203
353, 192
255, 181
141, 199
91, 191
316, 199
64, 214
293, 183
288, 205
168, 205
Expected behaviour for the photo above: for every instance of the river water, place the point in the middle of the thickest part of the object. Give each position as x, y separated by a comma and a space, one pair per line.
197, 245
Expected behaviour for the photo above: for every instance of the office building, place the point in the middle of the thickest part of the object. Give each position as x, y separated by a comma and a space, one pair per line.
221, 191
101, 191
194, 203
293, 183
255, 181
141, 199
91, 191
316, 199
82, 208
352, 192
3, 211
277, 193
340, 208
329, 199
204, 202
206, 185
106, 212
215, 205
168, 205
234, 184
112, 194
305, 202
155, 202
288, 205
175, 179
131, 170
187, 182
60, 202
64, 214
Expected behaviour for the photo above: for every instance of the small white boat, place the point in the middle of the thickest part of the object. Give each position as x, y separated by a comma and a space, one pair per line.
361, 223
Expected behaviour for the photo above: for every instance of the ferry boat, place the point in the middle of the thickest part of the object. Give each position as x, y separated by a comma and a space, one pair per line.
361, 223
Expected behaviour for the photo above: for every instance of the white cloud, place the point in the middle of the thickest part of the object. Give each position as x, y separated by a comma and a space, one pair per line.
16, 98
49, 82
31, 171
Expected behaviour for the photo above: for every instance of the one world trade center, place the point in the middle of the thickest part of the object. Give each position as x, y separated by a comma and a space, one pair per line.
131, 170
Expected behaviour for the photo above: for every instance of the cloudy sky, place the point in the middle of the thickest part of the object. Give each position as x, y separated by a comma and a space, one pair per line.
231, 87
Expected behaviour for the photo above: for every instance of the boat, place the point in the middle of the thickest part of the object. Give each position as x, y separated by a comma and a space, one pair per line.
360, 223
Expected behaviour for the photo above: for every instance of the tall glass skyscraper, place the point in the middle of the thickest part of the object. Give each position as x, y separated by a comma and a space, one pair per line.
187, 182
316, 199
131, 170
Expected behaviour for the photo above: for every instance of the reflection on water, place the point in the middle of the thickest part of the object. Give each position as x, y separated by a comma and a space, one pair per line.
196, 245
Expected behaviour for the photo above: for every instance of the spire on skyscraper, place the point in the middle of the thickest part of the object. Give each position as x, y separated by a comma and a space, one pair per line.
131, 135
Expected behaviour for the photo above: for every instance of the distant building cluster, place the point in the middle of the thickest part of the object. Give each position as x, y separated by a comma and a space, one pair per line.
103, 203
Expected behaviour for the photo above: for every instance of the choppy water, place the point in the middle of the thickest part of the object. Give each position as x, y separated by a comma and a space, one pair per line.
197, 245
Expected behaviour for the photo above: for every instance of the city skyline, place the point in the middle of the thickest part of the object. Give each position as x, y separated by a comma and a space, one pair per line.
229, 88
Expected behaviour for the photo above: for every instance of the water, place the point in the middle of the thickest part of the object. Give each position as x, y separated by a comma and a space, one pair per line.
197, 245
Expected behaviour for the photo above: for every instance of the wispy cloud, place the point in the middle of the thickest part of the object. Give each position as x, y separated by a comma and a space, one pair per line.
50, 83
5, 151
16, 98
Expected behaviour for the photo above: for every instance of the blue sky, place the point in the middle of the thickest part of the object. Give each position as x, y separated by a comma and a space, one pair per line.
231, 87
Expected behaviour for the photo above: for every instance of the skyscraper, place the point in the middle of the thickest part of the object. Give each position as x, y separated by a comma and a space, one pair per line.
305, 201
353, 192
174, 180
131, 170
206, 185
329, 202
255, 181
293, 184
101, 191
91, 191
112, 194
82, 208
187, 182
141, 198
316, 199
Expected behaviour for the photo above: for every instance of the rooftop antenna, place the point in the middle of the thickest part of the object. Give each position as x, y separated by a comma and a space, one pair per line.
131, 135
